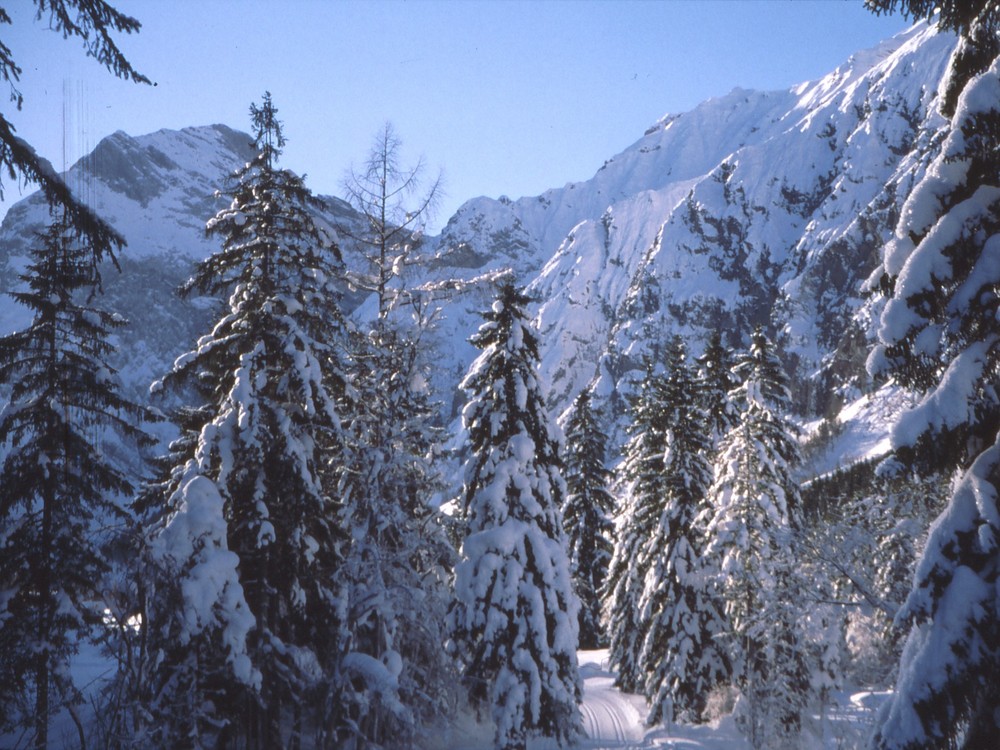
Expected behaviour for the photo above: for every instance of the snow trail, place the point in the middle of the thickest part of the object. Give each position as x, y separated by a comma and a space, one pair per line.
609, 717
616, 721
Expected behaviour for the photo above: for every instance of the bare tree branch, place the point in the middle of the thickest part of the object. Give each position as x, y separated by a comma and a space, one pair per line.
396, 204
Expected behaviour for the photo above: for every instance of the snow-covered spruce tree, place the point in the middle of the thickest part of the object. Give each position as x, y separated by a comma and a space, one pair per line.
939, 334
716, 380
273, 370
682, 656
60, 490
184, 675
754, 509
641, 501
587, 516
514, 619
196, 670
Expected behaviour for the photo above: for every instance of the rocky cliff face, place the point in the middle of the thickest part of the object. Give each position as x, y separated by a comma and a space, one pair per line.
755, 208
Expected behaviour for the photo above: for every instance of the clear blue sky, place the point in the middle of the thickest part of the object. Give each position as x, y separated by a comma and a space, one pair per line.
505, 97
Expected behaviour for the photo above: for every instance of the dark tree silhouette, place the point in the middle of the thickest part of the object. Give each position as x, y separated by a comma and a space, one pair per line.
60, 488
587, 515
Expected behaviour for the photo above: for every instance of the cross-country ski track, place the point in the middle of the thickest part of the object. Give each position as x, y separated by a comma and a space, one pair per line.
609, 718
614, 720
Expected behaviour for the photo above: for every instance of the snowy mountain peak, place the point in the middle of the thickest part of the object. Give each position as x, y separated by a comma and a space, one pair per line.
141, 168
752, 208
157, 190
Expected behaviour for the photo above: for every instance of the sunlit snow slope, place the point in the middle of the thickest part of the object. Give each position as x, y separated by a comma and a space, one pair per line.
754, 208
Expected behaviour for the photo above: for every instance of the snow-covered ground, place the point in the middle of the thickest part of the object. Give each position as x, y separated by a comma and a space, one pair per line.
611, 719
616, 720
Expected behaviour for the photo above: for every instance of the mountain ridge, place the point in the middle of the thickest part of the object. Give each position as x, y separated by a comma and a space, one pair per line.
752, 208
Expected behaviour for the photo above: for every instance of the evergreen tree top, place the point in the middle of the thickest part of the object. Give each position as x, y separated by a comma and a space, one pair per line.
505, 322
581, 404
269, 136
58, 267
716, 380
714, 363
269, 236
505, 373
509, 426
642, 402
764, 381
679, 372
586, 444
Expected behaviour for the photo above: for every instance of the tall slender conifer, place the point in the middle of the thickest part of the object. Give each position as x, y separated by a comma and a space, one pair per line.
515, 614
60, 489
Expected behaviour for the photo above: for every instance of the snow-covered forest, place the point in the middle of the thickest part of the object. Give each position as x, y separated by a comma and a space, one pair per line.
701, 452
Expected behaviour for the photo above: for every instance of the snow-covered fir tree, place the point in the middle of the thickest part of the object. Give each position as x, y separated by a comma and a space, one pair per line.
682, 655
514, 619
754, 510
61, 491
716, 380
190, 686
271, 443
939, 334
587, 514
641, 502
